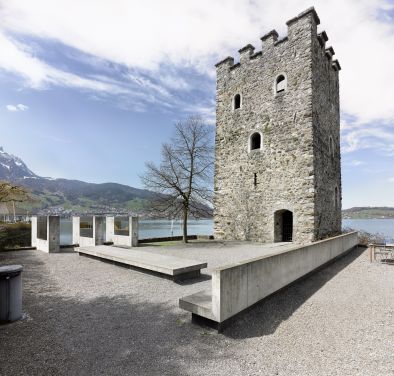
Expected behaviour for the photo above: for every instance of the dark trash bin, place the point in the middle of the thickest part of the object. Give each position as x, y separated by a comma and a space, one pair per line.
10, 293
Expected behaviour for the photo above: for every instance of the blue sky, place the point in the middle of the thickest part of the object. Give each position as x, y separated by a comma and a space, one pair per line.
91, 94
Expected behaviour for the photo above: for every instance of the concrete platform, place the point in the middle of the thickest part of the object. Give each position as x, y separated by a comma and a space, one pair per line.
175, 267
239, 286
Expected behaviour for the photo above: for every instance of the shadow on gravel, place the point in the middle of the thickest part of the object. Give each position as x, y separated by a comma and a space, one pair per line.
117, 335
191, 281
264, 318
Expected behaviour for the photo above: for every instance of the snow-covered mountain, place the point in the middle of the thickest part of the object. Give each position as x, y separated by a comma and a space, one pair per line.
69, 193
13, 168
75, 195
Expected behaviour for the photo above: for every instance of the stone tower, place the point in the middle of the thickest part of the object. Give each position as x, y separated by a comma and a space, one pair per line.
277, 171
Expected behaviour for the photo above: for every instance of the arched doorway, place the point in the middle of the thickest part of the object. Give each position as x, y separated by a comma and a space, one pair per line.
283, 226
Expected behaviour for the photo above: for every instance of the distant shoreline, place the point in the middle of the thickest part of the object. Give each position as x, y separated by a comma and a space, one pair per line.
347, 217
368, 212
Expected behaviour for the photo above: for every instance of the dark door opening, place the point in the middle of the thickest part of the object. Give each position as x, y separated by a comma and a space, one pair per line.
283, 226
287, 226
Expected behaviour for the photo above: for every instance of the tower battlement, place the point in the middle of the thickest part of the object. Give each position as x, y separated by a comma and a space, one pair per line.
270, 41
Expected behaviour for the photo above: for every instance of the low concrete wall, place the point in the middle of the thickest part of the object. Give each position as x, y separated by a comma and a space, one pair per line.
52, 243
237, 287
85, 241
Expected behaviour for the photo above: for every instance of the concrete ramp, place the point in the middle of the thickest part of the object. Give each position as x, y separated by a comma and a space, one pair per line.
175, 267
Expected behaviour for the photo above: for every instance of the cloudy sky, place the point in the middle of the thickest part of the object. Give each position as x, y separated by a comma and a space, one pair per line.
90, 89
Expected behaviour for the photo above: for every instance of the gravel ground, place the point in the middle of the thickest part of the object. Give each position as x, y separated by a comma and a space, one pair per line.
86, 317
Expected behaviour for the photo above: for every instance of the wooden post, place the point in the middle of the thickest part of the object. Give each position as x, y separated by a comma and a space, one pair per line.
371, 252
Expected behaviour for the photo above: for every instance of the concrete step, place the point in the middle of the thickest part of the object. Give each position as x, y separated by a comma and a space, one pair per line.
199, 303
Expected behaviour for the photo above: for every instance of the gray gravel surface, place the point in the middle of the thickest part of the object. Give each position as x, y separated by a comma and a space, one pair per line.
86, 317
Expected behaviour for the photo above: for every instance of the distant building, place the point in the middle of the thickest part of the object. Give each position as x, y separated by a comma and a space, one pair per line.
7, 213
277, 171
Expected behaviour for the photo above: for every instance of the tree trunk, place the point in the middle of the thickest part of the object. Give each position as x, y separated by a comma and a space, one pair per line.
185, 213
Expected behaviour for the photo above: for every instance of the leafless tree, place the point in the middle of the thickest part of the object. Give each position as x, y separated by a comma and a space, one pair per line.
183, 180
10, 192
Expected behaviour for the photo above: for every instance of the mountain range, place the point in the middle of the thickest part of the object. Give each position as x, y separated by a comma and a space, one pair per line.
64, 196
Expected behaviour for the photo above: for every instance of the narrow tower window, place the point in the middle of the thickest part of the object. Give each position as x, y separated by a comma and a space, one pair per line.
255, 141
237, 101
255, 180
331, 147
280, 84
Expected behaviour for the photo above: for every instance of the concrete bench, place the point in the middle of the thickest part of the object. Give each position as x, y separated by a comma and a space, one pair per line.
175, 267
238, 287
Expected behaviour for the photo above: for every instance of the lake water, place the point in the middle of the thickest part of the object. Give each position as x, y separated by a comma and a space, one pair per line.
163, 228
384, 227
151, 228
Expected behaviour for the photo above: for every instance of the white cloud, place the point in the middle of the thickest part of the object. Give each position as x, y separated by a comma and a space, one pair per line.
391, 180
355, 162
195, 34
17, 107
375, 137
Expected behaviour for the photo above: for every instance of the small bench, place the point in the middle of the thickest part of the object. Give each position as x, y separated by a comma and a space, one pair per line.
382, 252
175, 267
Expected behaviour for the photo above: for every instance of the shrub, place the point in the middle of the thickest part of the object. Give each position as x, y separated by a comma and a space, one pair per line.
13, 235
365, 238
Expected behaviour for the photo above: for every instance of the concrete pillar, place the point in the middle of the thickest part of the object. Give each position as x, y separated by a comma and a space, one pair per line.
134, 223
99, 229
109, 229
75, 230
34, 231
53, 224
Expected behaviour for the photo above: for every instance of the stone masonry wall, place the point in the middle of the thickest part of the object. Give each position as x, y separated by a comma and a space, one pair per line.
285, 167
326, 125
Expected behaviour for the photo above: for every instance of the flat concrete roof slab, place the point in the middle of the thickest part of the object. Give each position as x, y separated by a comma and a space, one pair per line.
218, 253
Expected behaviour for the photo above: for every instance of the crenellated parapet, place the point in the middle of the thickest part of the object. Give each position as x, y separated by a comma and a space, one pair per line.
306, 22
322, 38
307, 12
270, 38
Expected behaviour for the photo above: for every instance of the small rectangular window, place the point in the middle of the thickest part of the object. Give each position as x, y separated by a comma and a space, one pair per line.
255, 180
121, 226
86, 227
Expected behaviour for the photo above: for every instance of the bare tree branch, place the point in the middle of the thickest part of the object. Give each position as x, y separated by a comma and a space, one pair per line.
183, 180
10, 192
